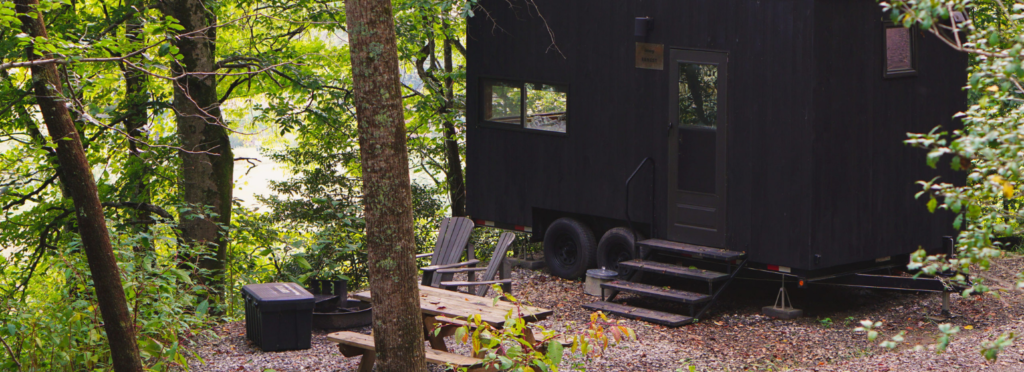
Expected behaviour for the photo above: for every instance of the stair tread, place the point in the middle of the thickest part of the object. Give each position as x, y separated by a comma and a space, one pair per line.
658, 292
675, 270
653, 316
692, 250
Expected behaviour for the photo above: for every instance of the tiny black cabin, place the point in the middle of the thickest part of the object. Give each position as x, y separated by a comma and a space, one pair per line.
774, 129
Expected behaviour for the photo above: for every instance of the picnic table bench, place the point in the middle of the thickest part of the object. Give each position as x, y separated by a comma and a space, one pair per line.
436, 302
445, 309
352, 344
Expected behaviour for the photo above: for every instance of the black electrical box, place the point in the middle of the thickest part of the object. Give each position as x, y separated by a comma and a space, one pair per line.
278, 316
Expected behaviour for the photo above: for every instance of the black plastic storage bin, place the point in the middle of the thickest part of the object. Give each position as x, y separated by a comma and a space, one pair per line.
278, 316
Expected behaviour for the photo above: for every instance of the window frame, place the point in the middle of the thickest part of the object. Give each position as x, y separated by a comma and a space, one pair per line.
521, 83
893, 74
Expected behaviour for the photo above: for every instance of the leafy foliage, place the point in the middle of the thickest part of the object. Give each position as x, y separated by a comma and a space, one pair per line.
53, 323
284, 84
510, 349
988, 147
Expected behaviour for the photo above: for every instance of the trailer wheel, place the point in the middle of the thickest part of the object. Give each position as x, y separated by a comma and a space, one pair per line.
569, 248
616, 246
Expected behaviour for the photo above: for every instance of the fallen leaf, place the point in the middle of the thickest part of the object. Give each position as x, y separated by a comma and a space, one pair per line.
968, 327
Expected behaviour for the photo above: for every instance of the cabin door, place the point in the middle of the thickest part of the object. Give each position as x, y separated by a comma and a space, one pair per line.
696, 147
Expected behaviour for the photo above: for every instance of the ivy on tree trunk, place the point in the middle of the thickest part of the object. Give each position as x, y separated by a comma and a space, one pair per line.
387, 196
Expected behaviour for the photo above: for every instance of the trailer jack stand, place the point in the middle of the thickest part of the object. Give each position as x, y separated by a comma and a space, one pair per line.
945, 314
945, 304
785, 311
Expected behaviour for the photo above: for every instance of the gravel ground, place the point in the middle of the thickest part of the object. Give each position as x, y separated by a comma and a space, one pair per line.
733, 337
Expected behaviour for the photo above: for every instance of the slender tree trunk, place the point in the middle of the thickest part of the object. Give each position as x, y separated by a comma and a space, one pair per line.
208, 166
136, 96
77, 176
387, 197
456, 182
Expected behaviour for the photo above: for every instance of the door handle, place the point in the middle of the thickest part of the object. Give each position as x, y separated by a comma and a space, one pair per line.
670, 127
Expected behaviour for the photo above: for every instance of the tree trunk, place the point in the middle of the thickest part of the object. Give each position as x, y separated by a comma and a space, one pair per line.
387, 197
136, 96
207, 166
77, 177
456, 182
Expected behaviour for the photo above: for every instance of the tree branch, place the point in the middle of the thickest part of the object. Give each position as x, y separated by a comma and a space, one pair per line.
458, 46
145, 207
28, 196
414, 91
227, 62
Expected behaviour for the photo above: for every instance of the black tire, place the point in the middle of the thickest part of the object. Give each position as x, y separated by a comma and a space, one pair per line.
616, 246
569, 248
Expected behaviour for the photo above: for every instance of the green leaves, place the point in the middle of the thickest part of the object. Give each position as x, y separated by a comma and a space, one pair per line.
554, 353
8, 17
181, 275
301, 261
990, 349
203, 307
947, 330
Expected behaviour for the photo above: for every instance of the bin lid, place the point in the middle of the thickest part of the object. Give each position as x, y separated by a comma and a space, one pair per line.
602, 273
278, 292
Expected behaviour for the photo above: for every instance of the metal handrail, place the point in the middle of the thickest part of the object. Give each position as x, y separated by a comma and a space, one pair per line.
630, 180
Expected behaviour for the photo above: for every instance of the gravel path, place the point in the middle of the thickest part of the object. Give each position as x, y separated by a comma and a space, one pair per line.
734, 336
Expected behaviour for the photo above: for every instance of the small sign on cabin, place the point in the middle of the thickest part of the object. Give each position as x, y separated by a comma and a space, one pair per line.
650, 56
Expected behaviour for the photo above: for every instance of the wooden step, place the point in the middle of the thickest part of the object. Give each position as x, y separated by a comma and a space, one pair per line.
675, 270
695, 251
658, 292
647, 315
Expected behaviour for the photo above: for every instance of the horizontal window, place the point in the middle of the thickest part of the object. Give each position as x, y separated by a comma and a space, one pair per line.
533, 106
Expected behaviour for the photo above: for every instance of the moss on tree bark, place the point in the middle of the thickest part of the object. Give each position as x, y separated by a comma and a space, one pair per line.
387, 197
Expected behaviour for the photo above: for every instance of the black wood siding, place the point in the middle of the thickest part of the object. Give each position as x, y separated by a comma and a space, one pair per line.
863, 175
806, 158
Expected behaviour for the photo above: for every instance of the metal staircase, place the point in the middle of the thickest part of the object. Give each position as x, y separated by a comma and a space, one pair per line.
699, 303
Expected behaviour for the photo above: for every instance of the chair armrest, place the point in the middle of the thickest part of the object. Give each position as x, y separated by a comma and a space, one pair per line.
449, 266
484, 282
425, 255
468, 269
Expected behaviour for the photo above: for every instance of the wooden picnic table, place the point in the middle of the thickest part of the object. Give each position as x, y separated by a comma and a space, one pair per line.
450, 305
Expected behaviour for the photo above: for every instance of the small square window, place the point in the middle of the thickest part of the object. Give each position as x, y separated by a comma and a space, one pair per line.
900, 52
502, 102
546, 107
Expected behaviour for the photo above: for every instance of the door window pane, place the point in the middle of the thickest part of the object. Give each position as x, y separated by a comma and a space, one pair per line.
698, 134
502, 102
698, 94
898, 49
545, 107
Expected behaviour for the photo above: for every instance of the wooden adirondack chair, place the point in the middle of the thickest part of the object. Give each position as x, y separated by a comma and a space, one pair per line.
452, 239
498, 266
